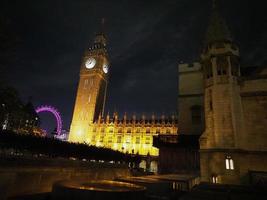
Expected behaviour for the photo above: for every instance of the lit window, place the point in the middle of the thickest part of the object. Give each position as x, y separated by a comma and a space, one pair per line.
147, 140
138, 130
173, 185
147, 130
229, 163
232, 164
111, 130
158, 131
128, 140
214, 179
137, 140
177, 186
128, 130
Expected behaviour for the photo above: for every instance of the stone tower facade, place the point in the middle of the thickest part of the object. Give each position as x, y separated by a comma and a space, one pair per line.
222, 101
91, 94
233, 147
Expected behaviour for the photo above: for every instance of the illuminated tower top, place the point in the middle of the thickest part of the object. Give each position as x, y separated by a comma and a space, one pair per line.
100, 38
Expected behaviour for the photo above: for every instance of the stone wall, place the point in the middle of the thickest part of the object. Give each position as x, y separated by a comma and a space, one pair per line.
190, 95
32, 176
254, 102
255, 116
213, 164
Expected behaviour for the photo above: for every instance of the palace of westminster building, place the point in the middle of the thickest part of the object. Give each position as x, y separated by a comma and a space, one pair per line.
224, 103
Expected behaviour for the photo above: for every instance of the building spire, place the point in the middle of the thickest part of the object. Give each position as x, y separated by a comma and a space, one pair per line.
217, 29
101, 36
103, 25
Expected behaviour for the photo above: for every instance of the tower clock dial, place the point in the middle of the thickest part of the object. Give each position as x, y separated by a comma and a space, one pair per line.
90, 63
105, 68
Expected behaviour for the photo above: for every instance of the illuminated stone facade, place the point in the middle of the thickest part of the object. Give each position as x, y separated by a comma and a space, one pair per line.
130, 135
234, 142
89, 125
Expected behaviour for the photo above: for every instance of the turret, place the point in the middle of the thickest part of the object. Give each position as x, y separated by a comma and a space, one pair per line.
107, 118
222, 102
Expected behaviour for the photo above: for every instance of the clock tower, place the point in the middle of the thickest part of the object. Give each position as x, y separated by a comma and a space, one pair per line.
91, 94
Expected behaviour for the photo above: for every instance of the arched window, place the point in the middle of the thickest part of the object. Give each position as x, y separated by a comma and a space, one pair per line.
229, 163
214, 179
119, 139
143, 164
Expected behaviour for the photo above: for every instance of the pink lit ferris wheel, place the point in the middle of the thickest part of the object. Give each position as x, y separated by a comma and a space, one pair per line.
54, 112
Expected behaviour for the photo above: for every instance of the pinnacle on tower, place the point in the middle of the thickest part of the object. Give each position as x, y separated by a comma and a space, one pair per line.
101, 37
217, 30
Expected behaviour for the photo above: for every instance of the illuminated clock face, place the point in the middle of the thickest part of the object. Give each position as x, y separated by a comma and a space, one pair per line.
90, 63
105, 68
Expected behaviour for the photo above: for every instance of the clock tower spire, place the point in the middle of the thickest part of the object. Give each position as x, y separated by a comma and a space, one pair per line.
91, 94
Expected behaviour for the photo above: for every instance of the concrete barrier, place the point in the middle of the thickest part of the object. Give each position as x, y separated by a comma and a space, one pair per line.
32, 176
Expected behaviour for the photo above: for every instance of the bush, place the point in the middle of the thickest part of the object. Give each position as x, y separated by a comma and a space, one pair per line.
56, 148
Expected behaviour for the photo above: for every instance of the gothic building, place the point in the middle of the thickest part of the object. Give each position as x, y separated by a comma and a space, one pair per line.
89, 125
233, 145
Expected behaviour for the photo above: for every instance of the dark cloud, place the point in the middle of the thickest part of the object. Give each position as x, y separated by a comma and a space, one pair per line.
147, 40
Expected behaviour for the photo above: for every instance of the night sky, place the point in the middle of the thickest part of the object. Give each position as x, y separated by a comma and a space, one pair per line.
147, 39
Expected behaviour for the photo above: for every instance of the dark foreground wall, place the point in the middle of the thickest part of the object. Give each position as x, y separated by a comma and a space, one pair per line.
19, 176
